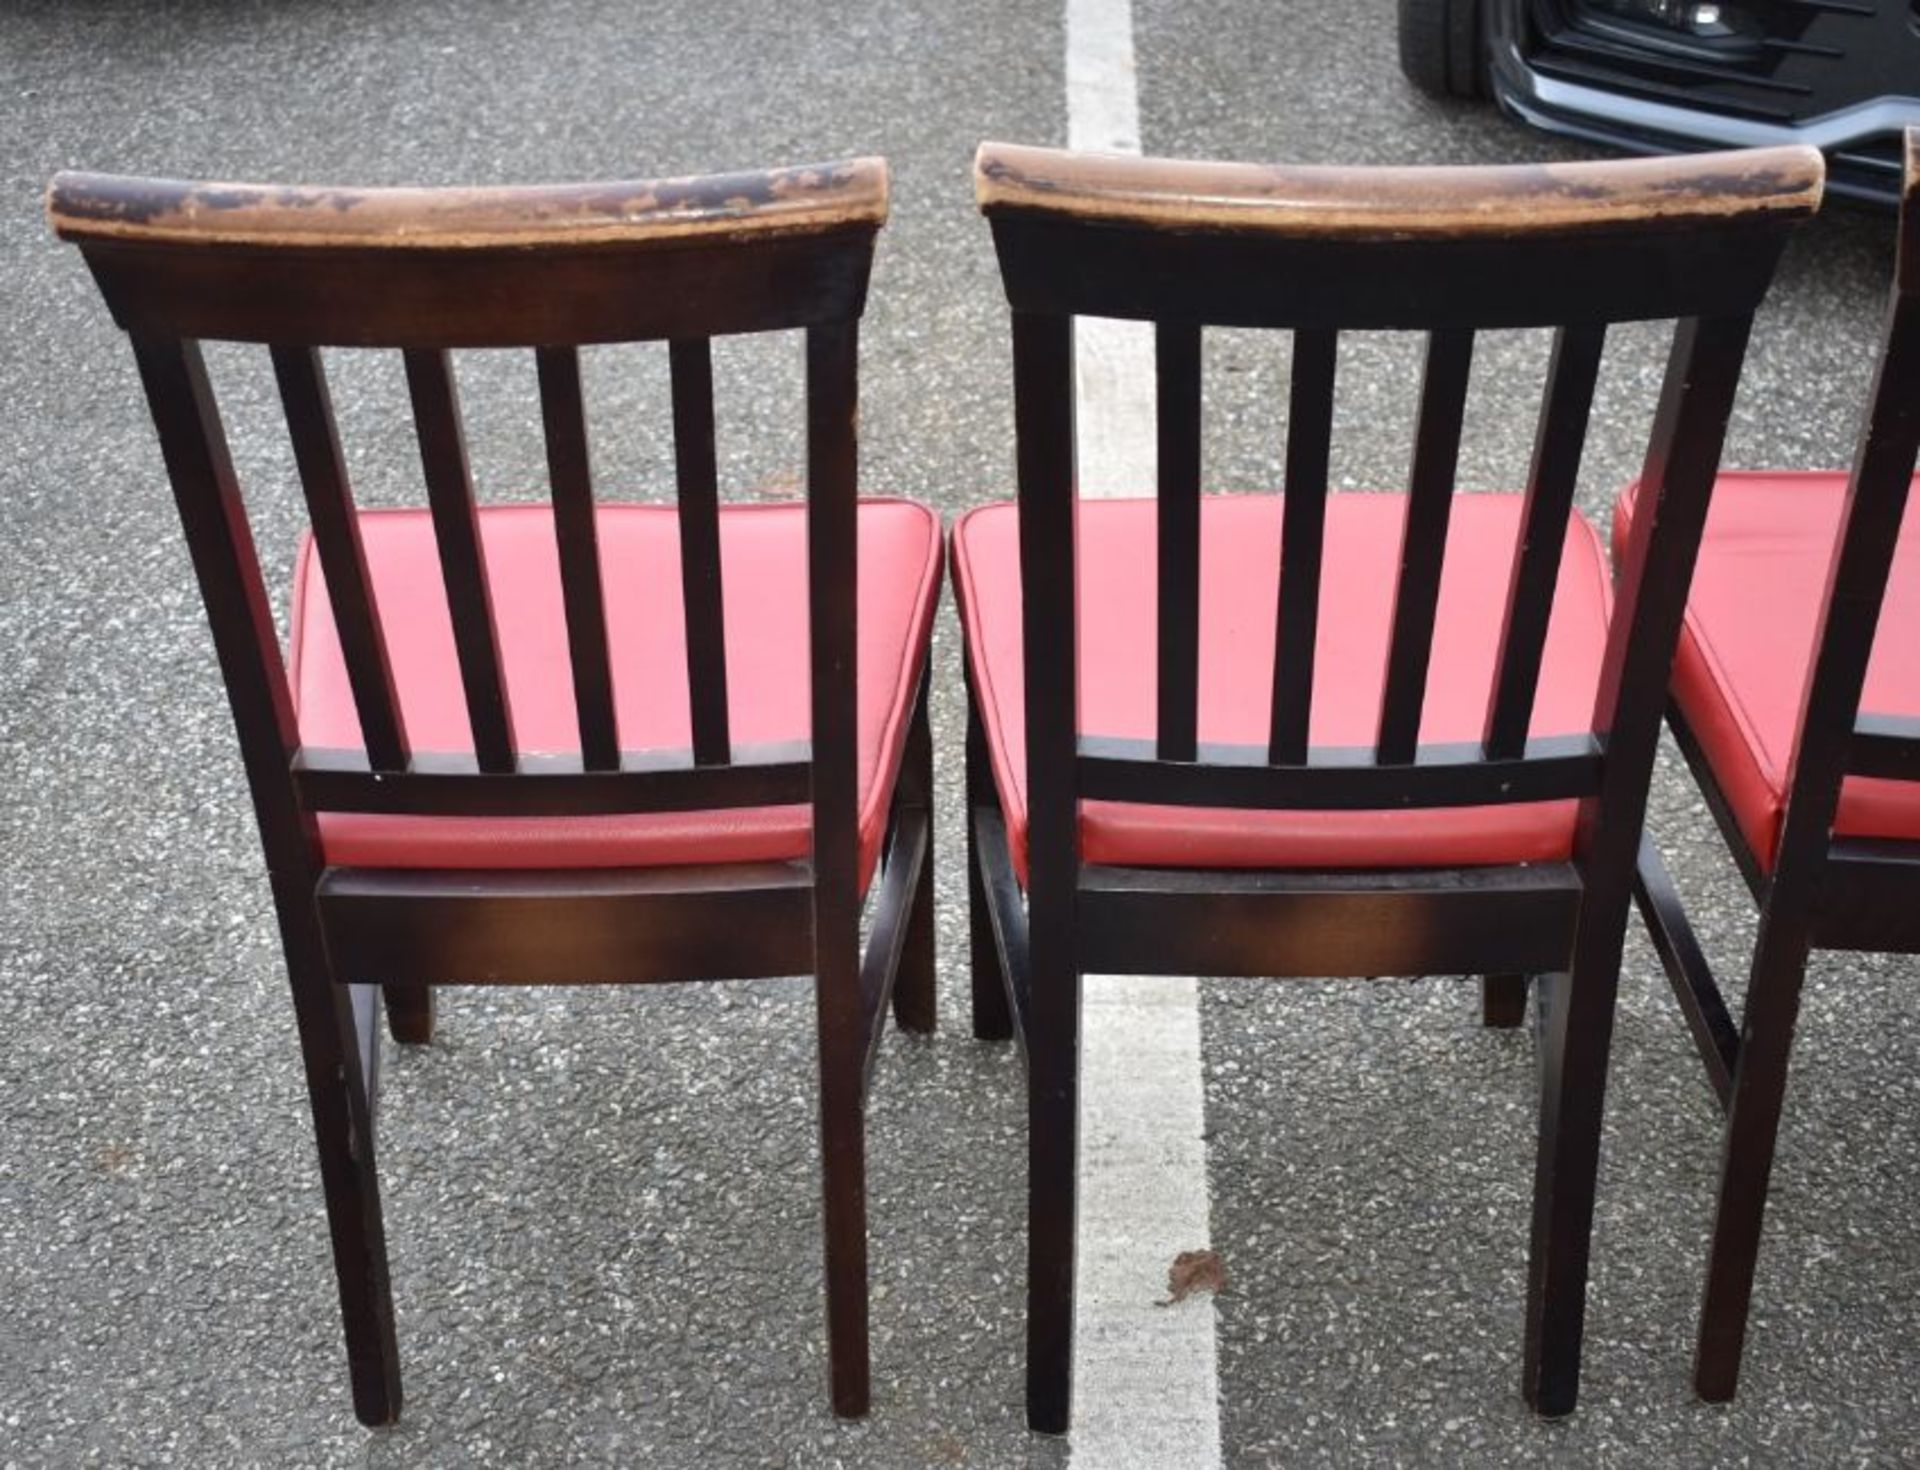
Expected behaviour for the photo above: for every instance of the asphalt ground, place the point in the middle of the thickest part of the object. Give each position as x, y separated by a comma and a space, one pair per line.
602, 1203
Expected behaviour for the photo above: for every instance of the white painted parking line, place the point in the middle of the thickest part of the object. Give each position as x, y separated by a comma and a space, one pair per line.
1146, 1377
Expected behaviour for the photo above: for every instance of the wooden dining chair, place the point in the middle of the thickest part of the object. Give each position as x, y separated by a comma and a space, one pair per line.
1795, 698
1319, 734
567, 741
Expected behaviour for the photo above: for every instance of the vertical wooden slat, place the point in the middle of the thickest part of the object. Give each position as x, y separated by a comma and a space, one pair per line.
1557, 445
1302, 536
1423, 541
700, 576
570, 470
832, 570
456, 528
1043, 385
1177, 360
336, 535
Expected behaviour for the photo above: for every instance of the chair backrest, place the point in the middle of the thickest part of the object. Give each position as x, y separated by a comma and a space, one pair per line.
1442, 251
544, 268
1836, 738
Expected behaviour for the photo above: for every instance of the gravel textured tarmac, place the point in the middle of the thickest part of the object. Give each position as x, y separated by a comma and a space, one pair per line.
602, 1204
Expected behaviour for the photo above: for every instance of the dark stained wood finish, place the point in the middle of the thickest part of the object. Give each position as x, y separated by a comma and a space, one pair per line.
220, 542
1341, 205
700, 572
336, 536
581, 927
463, 563
1177, 357
1423, 542
1885, 745
1457, 248
570, 473
1262, 923
1814, 890
1043, 379
443, 784
1543, 535
832, 573
913, 985
988, 972
549, 270
433, 268
1340, 778
1446, 253
1302, 536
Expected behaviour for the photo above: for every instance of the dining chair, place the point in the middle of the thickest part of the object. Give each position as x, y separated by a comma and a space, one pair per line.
1795, 698
1357, 734
565, 741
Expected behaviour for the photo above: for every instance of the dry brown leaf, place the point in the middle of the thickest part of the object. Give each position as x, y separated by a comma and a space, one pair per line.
1195, 1271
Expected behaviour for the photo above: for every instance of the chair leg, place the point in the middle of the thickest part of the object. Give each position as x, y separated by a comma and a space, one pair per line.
409, 1013
1503, 1000
843, 1034
343, 1132
914, 1007
1753, 1124
1053, 1121
844, 1167
992, 1019
1573, 1081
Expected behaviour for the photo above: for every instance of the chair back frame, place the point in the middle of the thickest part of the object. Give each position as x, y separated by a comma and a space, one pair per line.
1189, 245
547, 269
1814, 890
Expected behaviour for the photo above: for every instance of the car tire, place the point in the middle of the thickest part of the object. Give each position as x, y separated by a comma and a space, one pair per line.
1442, 50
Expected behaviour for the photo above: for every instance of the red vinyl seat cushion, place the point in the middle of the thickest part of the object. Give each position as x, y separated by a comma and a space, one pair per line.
763, 550
1240, 570
1740, 671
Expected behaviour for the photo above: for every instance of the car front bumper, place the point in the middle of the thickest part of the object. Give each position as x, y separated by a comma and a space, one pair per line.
1847, 82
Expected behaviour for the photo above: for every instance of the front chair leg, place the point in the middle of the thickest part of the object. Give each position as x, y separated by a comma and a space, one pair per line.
914, 1006
992, 1017
1753, 1124
409, 1013
1503, 1000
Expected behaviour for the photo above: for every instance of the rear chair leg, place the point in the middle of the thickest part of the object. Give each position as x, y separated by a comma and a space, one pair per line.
1753, 1124
409, 1013
1053, 1147
343, 1132
992, 1020
1503, 1000
844, 1167
843, 1038
1573, 1081
914, 1005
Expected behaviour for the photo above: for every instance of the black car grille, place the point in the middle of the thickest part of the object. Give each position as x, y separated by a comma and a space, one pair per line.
1797, 59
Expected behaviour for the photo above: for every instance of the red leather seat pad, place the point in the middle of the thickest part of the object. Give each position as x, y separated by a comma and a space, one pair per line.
1240, 549
763, 549
1740, 671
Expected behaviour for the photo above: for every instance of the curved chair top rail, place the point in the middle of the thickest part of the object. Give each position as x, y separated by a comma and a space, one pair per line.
1256, 245
543, 265
1389, 203
809, 199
